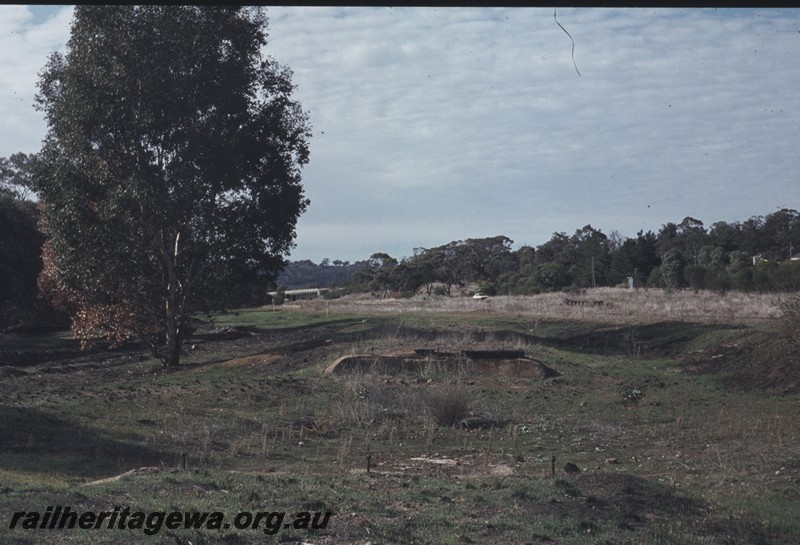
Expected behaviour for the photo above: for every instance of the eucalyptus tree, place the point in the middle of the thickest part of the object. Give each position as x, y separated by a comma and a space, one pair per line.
171, 169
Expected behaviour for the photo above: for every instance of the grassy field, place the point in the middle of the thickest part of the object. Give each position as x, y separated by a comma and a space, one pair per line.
675, 440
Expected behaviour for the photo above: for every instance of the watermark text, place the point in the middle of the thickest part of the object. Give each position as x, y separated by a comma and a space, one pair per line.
124, 518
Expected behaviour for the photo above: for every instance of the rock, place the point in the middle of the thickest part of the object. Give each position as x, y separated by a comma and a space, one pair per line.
571, 468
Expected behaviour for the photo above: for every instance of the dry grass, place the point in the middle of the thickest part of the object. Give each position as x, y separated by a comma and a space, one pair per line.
365, 398
619, 306
448, 404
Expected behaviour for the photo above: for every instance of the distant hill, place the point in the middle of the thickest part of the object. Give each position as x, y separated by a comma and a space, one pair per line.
307, 274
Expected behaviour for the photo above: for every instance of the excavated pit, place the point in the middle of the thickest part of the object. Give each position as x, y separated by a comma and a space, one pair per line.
510, 363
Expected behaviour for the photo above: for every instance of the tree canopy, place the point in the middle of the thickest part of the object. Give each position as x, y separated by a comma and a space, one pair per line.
170, 176
20, 243
758, 254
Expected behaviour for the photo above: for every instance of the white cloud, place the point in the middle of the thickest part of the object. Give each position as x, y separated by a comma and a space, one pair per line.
435, 124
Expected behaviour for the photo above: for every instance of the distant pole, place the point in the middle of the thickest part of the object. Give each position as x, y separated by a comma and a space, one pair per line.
594, 285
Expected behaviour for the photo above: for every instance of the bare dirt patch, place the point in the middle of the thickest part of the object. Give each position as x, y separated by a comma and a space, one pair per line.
256, 361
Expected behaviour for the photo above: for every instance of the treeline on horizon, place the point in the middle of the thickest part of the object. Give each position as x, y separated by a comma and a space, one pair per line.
752, 255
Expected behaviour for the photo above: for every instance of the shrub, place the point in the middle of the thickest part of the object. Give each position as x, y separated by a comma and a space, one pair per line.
487, 288
790, 324
631, 396
696, 276
743, 279
656, 279
779, 366
332, 294
672, 265
366, 398
448, 405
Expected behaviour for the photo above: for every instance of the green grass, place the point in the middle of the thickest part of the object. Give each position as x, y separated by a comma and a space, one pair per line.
699, 459
266, 318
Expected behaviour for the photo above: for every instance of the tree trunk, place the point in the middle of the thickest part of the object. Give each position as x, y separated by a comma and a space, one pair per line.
173, 313
173, 339
173, 355
177, 301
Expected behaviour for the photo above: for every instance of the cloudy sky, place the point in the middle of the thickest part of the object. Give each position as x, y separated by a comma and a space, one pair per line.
440, 124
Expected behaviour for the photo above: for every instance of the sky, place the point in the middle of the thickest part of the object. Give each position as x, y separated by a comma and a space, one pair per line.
438, 124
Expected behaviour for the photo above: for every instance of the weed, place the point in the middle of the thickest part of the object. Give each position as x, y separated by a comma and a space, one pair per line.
345, 449
266, 446
238, 447
430, 435
633, 346
631, 397
448, 404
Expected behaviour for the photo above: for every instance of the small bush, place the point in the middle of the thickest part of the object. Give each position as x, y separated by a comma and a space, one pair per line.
631, 396
784, 359
656, 279
448, 405
633, 346
332, 294
790, 321
487, 288
365, 398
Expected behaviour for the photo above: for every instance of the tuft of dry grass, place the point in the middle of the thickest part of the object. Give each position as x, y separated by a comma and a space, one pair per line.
365, 398
448, 404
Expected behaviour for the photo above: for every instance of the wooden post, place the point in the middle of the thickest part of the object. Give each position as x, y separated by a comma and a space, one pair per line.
553, 465
183, 461
369, 460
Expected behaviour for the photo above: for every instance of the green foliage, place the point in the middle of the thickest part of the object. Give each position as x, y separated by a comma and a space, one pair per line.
280, 296
743, 279
672, 264
763, 272
786, 276
631, 396
712, 257
719, 280
170, 174
20, 260
307, 274
680, 255
487, 288
15, 175
695, 276
552, 276
737, 261
592, 258
790, 325
636, 257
